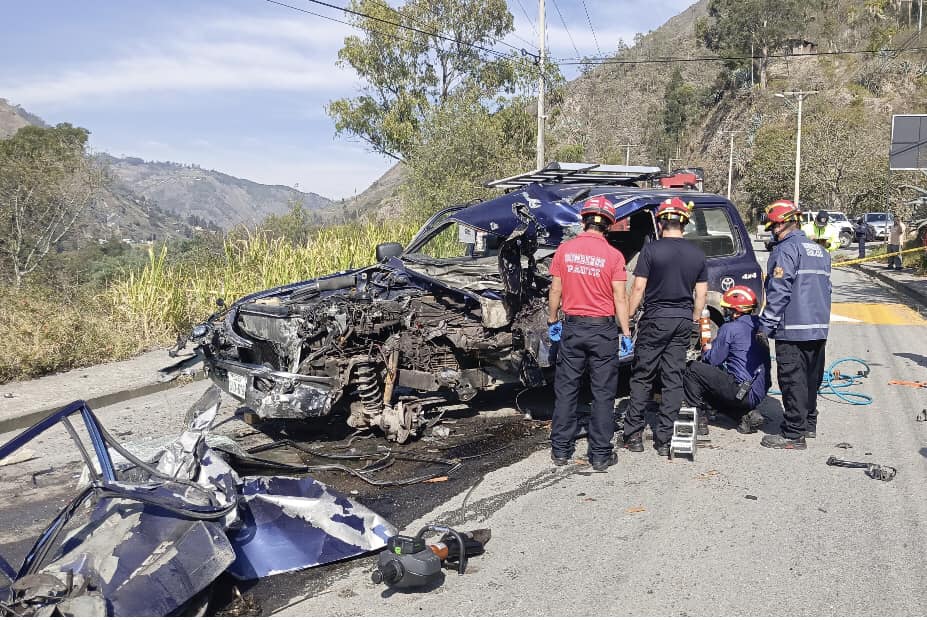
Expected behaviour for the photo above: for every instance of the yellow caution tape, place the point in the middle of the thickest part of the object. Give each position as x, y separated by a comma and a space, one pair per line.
856, 261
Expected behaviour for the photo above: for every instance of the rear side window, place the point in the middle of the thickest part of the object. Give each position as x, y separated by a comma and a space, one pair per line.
711, 228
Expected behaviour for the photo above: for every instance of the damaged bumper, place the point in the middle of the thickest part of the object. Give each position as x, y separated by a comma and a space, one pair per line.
274, 393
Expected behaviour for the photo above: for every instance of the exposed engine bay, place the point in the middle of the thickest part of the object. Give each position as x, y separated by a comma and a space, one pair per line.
385, 343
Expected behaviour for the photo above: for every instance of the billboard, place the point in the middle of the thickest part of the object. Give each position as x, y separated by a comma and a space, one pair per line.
909, 142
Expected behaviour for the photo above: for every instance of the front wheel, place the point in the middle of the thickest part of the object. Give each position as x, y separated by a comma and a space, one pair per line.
845, 240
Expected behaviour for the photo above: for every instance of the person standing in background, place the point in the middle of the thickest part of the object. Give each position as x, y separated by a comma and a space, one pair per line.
895, 241
861, 230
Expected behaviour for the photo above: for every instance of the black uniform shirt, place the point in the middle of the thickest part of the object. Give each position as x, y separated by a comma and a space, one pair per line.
672, 266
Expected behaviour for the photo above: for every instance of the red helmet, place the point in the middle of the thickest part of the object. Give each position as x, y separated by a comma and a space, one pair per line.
739, 298
674, 209
599, 206
781, 211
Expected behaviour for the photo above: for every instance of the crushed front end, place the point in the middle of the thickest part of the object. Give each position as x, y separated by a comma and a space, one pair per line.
386, 342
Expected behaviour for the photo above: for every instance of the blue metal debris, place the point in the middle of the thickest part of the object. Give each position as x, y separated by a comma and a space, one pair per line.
149, 548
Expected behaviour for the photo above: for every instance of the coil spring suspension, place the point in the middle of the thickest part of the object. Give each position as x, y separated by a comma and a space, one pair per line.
368, 387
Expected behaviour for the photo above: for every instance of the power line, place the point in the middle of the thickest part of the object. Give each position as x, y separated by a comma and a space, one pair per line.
528, 17
589, 21
672, 59
563, 21
443, 37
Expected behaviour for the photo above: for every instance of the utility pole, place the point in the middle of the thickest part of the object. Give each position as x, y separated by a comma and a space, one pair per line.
541, 116
627, 152
800, 96
730, 161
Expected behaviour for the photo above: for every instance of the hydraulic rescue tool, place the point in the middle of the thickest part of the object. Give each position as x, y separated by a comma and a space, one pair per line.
410, 562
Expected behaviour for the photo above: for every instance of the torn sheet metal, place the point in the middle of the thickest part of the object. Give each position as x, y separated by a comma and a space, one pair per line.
300, 522
142, 563
150, 548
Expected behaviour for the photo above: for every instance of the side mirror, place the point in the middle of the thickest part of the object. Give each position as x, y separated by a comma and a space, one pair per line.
388, 250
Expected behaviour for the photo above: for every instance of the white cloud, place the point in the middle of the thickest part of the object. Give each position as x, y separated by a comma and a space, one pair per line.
232, 54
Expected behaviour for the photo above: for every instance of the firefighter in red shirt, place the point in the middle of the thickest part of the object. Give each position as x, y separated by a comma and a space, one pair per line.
589, 285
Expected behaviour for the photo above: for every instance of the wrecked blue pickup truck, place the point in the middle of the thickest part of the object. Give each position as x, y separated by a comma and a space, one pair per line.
460, 310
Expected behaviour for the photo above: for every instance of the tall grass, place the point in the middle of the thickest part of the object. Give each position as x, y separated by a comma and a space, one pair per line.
165, 297
45, 331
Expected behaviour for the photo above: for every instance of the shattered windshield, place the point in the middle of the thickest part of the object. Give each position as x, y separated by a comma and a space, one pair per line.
455, 240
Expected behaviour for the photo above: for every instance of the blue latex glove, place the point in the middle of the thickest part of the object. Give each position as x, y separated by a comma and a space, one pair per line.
554, 331
625, 347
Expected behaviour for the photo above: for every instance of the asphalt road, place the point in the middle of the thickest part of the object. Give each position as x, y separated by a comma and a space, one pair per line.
741, 530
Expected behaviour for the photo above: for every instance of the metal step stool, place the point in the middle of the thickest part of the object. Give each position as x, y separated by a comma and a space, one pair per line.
684, 433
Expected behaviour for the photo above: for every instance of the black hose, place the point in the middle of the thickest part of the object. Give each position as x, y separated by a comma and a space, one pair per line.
383, 459
443, 529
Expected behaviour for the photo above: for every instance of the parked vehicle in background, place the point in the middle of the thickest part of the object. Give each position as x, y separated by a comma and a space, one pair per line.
881, 222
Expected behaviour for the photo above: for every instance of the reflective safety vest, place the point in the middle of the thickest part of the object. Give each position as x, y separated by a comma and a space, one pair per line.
827, 236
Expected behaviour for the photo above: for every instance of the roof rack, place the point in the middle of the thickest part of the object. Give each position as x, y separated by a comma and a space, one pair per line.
579, 174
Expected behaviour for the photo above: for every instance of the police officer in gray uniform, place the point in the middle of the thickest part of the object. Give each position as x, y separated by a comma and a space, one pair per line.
797, 316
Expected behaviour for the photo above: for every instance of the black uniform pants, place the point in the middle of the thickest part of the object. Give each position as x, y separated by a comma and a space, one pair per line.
705, 384
582, 347
800, 369
862, 246
660, 348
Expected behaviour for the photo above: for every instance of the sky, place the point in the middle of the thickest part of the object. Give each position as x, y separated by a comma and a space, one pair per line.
239, 86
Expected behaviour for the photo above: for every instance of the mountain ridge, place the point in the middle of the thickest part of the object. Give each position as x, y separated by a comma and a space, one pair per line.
177, 194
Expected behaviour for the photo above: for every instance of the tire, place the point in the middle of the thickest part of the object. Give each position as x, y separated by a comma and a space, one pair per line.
845, 240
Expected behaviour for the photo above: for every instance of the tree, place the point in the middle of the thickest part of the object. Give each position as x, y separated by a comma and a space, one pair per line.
678, 101
843, 166
296, 225
407, 72
462, 145
46, 182
750, 27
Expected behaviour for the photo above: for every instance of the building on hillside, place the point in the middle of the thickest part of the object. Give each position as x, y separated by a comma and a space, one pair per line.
799, 46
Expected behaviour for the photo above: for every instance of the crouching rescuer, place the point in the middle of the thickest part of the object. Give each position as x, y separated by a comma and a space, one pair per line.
734, 377
589, 284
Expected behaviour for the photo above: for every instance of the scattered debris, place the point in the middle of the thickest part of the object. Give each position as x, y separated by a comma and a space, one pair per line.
149, 548
708, 474
873, 470
438, 479
922, 416
441, 431
410, 562
844, 445
8, 395
41, 472
914, 384
822, 510
20, 456
753, 497
635, 509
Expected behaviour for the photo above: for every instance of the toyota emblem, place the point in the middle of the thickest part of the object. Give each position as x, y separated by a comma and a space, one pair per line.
726, 283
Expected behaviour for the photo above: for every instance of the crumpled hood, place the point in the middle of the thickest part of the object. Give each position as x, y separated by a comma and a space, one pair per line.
552, 214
